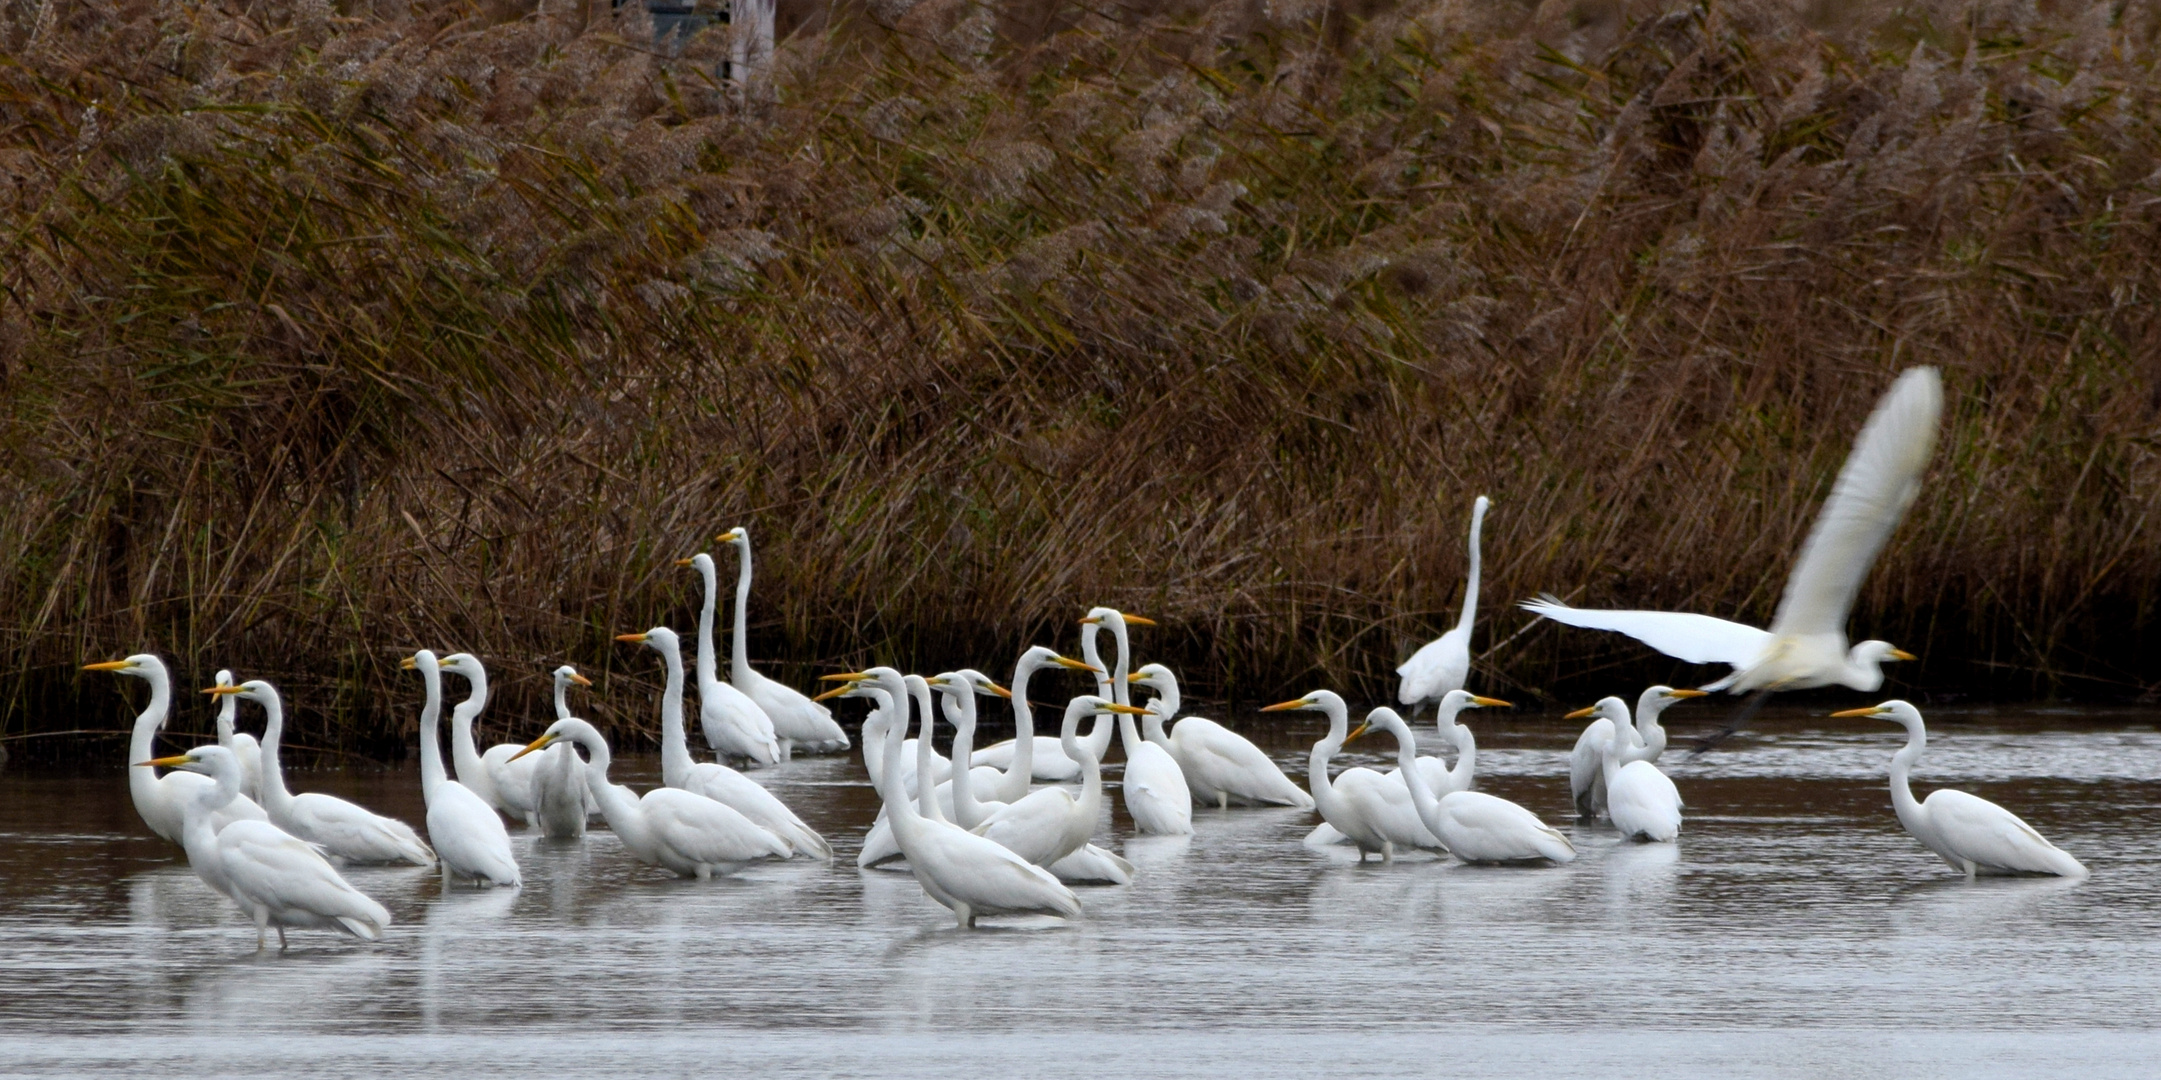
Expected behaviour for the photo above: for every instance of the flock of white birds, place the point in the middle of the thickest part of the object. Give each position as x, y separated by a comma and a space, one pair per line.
1013, 828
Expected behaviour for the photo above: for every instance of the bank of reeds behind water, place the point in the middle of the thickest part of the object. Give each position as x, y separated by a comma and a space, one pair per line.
331, 332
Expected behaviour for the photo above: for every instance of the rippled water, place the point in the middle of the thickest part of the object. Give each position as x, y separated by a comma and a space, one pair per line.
1794, 931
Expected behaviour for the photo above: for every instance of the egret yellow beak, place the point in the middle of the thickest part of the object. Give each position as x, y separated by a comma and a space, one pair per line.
1114, 707
108, 665
1001, 691
1075, 664
540, 743
409, 663
729, 537
1581, 713
1282, 705
846, 676
1688, 693
174, 762
1871, 710
1353, 736
216, 691
632, 638
1491, 702
1135, 620
834, 692
1901, 654
682, 562
1090, 621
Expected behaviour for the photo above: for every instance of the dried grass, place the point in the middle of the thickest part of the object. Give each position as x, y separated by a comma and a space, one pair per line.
329, 333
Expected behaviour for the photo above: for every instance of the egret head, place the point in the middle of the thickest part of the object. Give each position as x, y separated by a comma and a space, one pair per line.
140, 665
1880, 652
423, 661
206, 760
1113, 618
1040, 656
1458, 700
969, 679
739, 536
254, 690
465, 664
1656, 699
1895, 710
659, 639
1153, 676
569, 674
1608, 708
701, 561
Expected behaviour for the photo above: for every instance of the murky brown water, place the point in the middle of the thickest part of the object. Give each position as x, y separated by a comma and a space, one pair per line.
1794, 931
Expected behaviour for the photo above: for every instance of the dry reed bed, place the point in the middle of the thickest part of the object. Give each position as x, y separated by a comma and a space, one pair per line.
329, 333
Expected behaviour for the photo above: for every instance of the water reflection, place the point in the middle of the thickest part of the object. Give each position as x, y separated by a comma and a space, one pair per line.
1792, 903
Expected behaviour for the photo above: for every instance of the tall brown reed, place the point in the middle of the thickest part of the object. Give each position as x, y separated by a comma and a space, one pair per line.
330, 333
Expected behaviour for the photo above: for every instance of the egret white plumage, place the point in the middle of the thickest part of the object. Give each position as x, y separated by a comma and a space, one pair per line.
678, 830
1586, 767
163, 800
1373, 810
734, 725
343, 830
709, 779
561, 804
1474, 826
468, 836
1441, 778
1641, 801
277, 879
1444, 663
1806, 644
1221, 766
797, 720
968, 874
1050, 762
1153, 786
473, 770
246, 750
1969, 832
1051, 824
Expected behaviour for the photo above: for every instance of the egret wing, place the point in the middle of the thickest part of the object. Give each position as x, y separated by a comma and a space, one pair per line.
1877, 484
1995, 837
709, 832
1698, 639
283, 872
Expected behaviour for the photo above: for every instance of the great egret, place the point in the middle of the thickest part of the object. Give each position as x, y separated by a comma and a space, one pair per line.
277, 879
1586, 767
1373, 810
473, 770
960, 689
797, 720
1444, 663
880, 845
243, 745
734, 724
1806, 644
715, 781
1154, 785
341, 829
1221, 766
1474, 826
679, 830
1440, 779
1051, 823
1641, 801
1050, 762
561, 804
163, 800
968, 874
1971, 833
1041, 759
469, 838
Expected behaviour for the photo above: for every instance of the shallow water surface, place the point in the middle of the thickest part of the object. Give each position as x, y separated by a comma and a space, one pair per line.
1795, 930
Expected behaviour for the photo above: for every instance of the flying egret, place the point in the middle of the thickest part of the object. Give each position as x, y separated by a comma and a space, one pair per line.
1806, 644
1971, 833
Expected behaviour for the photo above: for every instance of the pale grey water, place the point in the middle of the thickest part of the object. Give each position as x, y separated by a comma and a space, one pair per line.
1794, 931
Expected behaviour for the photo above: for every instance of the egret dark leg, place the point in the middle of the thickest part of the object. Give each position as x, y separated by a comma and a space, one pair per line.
1748, 712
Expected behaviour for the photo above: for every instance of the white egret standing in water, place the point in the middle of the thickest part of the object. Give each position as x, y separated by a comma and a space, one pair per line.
1374, 811
341, 829
1586, 763
1444, 663
1474, 826
561, 805
245, 749
734, 725
1971, 833
1806, 644
1221, 766
163, 800
797, 720
468, 837
277, 879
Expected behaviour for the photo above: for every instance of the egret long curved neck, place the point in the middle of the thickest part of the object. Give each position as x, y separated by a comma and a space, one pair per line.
198, 835
431, 742
228, 705
1429, 807
562, 697
276, 799
739, 653
1022, 768
902, 811
1864, 669
926, 754
960, 709
875, 727
462, 752
1339, 728
1091, 798
1160, 710
1470, 583
1650, 733
142, 742
674, 746
1110, 685
617, 804
708, 663
1466, 766
1909, 809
